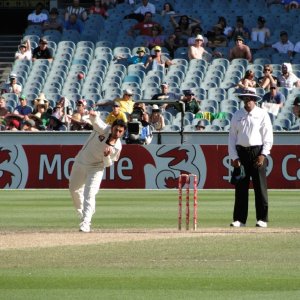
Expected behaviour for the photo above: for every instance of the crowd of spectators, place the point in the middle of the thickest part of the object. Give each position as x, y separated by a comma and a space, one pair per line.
186, 32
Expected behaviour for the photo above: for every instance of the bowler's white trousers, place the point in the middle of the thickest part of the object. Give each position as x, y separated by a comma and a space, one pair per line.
84, 185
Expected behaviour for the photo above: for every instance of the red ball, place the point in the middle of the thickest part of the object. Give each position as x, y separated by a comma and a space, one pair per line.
80, 76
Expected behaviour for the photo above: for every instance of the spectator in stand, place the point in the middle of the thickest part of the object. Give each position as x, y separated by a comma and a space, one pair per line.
140, 58
142, 107
116, 114
287, 78
37, 17
185, 23
165, 95
156, 119
82, 110
200, 126
156, 39
3, 110
247, 81
296, 107
175, 41
197, 50
240, 50
40, 105
24, 51
260, 33
226, 29
76, 9
268, 79
73, 23
144, 27
12, 86
29, 125
157, 59
23, 109
126, 102
284, 45
54, 22
296, 48
13, 124
145, 7
195, 31
273, 100
99, 8
291, 4
191, 103
216, 37
239, 30
42, 51
167, 9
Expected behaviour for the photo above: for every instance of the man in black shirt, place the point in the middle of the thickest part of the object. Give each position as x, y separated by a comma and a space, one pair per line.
42, 51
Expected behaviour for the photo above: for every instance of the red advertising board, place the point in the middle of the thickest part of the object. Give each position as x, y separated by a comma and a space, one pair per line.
153, 166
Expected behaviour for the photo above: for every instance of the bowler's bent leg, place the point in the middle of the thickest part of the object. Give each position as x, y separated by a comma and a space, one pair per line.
76, 186
93, 181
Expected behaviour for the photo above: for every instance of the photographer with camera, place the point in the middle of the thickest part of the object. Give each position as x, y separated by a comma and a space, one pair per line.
138, 127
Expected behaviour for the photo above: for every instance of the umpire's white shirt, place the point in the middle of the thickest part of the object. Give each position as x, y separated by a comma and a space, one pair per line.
92, 151
250, 129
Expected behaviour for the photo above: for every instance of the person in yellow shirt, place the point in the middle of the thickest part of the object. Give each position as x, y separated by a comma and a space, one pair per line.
126, 102
116, 114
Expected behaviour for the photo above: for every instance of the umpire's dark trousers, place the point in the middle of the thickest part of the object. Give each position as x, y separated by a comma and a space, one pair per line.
247, 156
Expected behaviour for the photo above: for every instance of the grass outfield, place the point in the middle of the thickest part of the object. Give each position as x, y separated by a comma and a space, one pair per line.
136, 252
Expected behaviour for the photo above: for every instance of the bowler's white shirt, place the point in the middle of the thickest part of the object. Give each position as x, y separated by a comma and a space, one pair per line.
92, 152
250, 129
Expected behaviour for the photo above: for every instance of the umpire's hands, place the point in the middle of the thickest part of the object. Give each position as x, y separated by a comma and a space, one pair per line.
259, 161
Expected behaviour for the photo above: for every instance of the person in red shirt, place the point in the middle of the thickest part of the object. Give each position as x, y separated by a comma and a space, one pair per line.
144, 27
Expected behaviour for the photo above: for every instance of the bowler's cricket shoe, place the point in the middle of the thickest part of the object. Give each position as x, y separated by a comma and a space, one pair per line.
85, 227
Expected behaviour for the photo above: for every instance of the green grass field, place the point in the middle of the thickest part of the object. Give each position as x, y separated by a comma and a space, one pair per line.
136, 252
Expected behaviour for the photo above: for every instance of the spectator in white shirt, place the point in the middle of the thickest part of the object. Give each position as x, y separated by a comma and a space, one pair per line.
297, 47
284, 45
24, 51
250, 141
37, 17
145, 7
287, 78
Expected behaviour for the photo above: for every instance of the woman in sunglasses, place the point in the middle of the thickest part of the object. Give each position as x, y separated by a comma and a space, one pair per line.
268, 79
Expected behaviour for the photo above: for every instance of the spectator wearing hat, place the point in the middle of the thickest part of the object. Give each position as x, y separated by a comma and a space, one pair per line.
195, 31
54, 22
268, 79
284, 45
73, 23
287, 78
191, 103
197, 50
157, 59
273, 100
240, 50
76, 9
239, 30
81, 108
144, 27
40, 102
116, 114
24, 51
12, 86
260, 33
140, 58
156, 119
37, 17
200, 126
29, 125
249, 143
296, 107
23, 109
13, 124
42, 51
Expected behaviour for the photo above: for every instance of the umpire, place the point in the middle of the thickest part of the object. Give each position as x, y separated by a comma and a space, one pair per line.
250, 141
